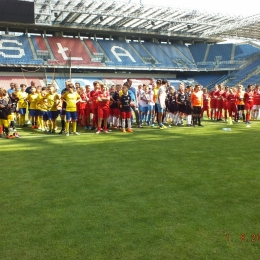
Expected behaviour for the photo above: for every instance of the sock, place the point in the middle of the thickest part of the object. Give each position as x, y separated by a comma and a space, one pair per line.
220, 114
1, 130
189, 119
123, 123
67, 126
50, 125
129, 122
74, 126
62, 124
23, 119
198, 120
54, 124
216, 115
194, 120
247, 117
6, 130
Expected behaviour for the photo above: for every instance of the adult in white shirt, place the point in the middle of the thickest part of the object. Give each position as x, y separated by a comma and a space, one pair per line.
160, 102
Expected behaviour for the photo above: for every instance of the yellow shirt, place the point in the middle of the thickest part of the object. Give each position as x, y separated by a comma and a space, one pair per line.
22, 96
120, 93
71, 99
52, 101
42, 103
32, 98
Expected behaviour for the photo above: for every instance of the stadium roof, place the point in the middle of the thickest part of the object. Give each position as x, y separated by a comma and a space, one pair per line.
117, 17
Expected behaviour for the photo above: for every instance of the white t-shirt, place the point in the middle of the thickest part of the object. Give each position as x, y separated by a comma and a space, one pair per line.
144, 96
150, 97
162, 94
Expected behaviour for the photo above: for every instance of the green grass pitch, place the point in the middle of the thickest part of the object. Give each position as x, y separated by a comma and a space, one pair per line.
178, 193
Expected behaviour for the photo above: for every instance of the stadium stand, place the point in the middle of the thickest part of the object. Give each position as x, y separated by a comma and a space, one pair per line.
244, 51
17, 50
5, 81
39, 43
175, 55
120, 54
65, 49
223, 51
163, 59
139, 48
92, 46
242, 74
185, 51
206, 79
198, 51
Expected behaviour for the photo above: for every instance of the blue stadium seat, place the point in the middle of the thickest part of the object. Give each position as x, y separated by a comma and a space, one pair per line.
223, 50
163, 59
244, 51
198, 51
17, 50
120, 54
241, 74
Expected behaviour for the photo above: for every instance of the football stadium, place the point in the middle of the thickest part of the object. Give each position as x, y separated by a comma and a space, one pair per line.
128, 131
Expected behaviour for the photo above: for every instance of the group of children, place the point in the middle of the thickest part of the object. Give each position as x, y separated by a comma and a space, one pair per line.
113, 107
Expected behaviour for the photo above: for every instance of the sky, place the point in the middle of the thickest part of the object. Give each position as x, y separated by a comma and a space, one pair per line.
231, 7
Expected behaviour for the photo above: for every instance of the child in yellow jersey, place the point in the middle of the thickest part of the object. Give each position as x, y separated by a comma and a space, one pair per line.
42, 104
53, 113
34, 111
22, 104
71, 98
3, 114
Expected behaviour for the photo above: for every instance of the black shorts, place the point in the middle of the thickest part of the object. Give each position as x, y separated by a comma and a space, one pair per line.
240, 107
182, 108
172, 108
188, 109
196, 110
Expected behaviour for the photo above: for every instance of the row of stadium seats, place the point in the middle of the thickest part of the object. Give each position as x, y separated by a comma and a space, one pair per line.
17, 50
87, 52
222, 52
243, 73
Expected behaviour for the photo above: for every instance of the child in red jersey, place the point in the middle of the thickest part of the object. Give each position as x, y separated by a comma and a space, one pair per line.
213, 103
206, 102
249, 102
82, 107
225, 104
219, 107
87, 108
231, 103
103, 99
94, 104
256, 106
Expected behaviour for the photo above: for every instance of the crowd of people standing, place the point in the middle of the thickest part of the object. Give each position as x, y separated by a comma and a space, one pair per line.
102, 108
